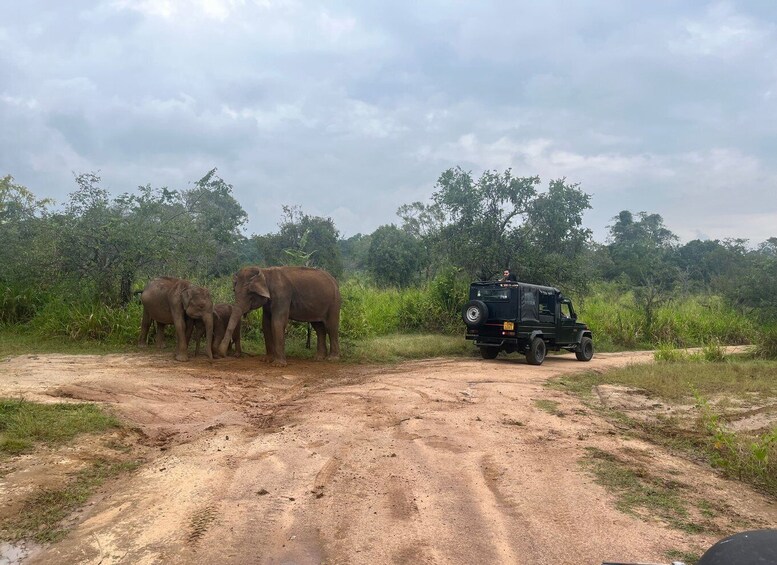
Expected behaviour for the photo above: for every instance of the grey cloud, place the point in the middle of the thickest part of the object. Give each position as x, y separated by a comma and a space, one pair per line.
353, 109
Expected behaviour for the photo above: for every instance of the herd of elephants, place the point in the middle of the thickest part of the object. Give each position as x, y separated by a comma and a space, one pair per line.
303, 294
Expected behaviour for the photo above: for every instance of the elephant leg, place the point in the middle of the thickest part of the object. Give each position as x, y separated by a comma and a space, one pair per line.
333, 329
196, 335
268, 336
279, 321
145, 324
320, 340
180, 333
160, 335
236, 341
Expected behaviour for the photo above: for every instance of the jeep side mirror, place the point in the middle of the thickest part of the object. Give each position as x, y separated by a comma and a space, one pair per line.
574, 316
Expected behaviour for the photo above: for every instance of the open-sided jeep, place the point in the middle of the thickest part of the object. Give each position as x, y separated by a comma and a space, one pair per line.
527, 318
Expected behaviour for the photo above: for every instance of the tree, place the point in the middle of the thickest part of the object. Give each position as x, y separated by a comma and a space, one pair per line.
26, 251
354, 252
393, 256
218, 219
302, 239
478, 216
642, 250
552, 241
110, 243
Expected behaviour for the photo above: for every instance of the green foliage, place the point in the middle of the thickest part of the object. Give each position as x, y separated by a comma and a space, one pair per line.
370, 311
302, 240
766, 343
617, 320
746, 457
394, 256
711, 352
88, 321
24, 423
19, 304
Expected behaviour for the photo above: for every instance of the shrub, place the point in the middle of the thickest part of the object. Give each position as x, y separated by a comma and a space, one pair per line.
766, 343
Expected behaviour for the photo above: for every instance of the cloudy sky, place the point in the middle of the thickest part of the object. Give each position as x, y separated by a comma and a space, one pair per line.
351, 109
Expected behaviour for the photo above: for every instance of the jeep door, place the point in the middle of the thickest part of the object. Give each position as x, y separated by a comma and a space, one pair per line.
566, 322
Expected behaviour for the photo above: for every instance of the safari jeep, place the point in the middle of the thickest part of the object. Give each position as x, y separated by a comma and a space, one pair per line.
529, 319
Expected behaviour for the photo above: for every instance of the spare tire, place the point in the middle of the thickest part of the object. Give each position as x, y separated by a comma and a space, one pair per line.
475, 313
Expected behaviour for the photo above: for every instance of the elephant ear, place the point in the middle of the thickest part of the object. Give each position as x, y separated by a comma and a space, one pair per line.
258, 285
186, 296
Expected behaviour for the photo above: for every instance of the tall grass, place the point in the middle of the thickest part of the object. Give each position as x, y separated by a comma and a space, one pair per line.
615, 317
618, 321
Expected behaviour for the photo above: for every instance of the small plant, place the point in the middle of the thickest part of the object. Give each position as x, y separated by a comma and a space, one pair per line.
668, 352
713, 351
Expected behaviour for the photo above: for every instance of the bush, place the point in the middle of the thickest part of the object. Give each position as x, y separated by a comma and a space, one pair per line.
89, 321
616, 319
766, 343
19, 305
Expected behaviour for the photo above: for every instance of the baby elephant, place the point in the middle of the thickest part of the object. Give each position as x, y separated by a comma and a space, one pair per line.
221, 315
168, 300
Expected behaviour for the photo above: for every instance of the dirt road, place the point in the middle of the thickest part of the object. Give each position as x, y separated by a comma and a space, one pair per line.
439, 461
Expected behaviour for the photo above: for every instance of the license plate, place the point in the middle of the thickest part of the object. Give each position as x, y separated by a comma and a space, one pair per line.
509, 326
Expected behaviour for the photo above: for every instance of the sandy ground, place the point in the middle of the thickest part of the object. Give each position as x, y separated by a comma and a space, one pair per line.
438, 461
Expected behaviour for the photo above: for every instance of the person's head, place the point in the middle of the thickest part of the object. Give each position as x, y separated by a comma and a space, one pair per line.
506, 273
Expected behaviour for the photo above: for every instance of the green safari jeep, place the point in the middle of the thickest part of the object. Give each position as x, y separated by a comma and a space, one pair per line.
527, 318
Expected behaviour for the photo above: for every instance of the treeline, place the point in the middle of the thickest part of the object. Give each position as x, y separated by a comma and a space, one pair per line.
95, 248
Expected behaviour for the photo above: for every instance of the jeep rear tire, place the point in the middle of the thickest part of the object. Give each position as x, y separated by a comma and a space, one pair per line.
536, 353
475, 313
488, 352
585, 351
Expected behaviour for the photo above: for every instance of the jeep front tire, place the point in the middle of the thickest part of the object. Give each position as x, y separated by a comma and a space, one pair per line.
585, 351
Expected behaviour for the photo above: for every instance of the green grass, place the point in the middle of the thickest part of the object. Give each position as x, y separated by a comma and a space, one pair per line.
747, 456
23, 424
401, 347
549, 406
684, 379
687, 557
20, 341
41, 517
640, 493
617, 321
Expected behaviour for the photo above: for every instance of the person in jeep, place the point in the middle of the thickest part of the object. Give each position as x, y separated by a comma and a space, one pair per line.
530, 319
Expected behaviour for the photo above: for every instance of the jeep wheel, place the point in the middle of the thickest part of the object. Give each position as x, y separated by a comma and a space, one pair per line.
475, 313
536, 354
585, 351
489, 352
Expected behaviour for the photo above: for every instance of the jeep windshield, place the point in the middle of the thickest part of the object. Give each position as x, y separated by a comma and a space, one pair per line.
493, 294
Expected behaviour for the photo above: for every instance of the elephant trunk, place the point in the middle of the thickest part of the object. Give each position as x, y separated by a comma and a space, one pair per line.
234, 320
208, 321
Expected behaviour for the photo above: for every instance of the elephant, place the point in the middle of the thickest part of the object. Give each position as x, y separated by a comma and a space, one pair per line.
221, 315
168, 300
303, 294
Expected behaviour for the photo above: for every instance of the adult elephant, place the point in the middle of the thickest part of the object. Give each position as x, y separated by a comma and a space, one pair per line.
168, 300
288, 293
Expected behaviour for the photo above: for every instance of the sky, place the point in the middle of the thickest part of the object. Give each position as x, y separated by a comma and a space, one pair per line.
351, 109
